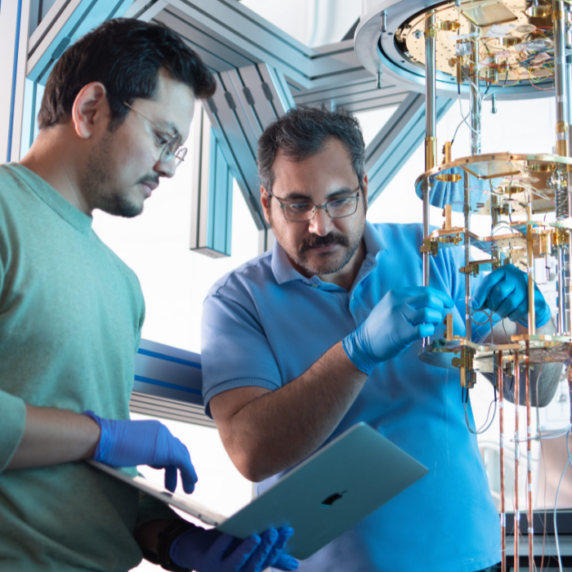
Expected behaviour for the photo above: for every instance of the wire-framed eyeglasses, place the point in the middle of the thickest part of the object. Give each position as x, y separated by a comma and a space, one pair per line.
170, 144
304, 211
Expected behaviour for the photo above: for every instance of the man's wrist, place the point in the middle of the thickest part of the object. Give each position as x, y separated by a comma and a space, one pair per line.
356, 354
95, 451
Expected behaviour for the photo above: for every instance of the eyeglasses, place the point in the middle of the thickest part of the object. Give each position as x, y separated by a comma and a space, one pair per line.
170, 144
304, 211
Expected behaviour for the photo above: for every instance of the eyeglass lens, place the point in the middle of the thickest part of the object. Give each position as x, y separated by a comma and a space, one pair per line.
337, 208
171, 150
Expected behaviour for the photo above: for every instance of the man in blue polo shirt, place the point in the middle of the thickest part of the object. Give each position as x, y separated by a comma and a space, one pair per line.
323, 332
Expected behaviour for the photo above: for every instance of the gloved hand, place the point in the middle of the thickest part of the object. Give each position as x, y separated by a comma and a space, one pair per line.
505, 292
401, 317
212, 551
125, 443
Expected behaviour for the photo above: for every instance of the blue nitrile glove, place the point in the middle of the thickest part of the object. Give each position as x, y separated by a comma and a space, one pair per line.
212, 551
505, 292
401, 317
125, 443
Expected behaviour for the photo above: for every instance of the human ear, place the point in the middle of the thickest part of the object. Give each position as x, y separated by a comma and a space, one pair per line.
89, 108
265, 201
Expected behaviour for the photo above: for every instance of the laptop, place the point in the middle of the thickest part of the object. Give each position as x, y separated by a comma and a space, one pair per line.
321, 498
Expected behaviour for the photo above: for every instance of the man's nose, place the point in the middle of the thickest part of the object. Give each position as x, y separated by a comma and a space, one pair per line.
321, 223
165, 169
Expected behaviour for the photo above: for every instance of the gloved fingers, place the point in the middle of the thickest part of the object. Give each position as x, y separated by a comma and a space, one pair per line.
257, 560
503, 290
510, 304
284, 534
424, 316
171, 478
424, 331
286, 562
182, 459
414, 333
425, 296
484, 288
520, 312
238, 558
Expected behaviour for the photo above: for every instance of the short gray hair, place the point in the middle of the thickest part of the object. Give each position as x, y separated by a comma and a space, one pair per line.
302, 133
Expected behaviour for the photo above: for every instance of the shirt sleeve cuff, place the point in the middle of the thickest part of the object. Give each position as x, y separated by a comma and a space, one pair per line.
13, 416
234, 384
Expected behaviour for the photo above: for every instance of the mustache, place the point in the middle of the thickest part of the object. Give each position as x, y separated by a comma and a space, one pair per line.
323, 241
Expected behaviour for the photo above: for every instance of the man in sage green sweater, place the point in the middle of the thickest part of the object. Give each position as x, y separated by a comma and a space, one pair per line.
116, 108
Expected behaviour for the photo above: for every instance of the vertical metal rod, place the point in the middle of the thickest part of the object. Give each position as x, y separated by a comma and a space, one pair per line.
430, 133
516, 458
467, 211
560, 77
561, 295
475, 100
430, 93
500, 388
529, 463
530, 271
430, 127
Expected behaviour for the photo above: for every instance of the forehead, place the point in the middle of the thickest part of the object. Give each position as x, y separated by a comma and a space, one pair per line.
322, 172
173, 106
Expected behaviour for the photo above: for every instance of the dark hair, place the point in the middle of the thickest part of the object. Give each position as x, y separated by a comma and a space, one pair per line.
302, 132
125, 55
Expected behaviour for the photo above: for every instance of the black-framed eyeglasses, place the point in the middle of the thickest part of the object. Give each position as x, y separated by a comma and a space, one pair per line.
170, 144
304, 211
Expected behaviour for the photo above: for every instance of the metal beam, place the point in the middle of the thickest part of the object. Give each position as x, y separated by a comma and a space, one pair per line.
229, 35
247, 100
168, 384
356, 97
211, 213
397, 141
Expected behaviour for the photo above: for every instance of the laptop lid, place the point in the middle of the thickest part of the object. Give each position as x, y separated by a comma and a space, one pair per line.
321, 498
331, 491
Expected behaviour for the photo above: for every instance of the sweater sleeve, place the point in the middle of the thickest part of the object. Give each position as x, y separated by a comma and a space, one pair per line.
12, 423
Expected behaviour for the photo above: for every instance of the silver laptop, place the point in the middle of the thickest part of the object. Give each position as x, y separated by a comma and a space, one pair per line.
321, 498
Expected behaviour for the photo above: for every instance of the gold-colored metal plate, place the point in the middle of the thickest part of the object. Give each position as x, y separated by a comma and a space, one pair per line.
510, 190
448, 25
502, 61
483, 166
486, 12
492, 169
540, 11
449, 178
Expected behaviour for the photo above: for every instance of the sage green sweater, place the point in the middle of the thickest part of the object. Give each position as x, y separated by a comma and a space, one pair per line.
70, 322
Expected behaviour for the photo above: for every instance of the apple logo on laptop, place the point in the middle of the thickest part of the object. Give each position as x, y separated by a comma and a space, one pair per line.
333, 498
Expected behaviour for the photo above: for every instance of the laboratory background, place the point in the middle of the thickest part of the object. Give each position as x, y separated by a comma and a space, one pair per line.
270, 56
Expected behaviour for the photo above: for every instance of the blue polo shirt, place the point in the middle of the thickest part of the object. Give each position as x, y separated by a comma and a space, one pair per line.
265, 324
